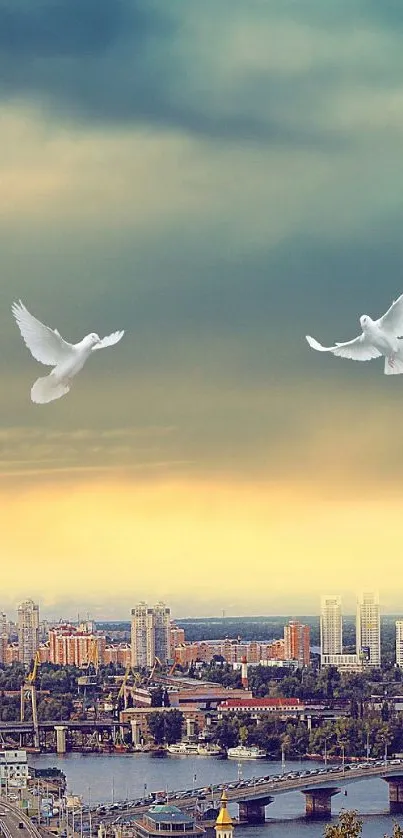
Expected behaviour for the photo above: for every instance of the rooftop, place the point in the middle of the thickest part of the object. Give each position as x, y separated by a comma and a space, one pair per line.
260, 702
164, 812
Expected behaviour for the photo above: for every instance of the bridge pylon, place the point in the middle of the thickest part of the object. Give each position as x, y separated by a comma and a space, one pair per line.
318, 801
395, 783
253, 810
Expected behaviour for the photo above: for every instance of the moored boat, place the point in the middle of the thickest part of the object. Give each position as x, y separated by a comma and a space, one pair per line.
198, 749
246, 752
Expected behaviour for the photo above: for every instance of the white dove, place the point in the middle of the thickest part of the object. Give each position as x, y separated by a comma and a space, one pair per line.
47, 346
378, 337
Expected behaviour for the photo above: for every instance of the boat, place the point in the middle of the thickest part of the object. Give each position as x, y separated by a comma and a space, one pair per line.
195, 749
246, 752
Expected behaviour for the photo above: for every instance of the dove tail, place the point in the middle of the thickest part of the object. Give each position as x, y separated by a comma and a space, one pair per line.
396, 369
48, 389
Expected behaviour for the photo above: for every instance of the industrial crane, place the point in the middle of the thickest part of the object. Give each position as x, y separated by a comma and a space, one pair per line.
28, 691
89, 681
157, 662
173, 667
123, 691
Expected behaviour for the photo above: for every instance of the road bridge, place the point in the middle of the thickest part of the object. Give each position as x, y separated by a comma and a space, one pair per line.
62, 734
318, 790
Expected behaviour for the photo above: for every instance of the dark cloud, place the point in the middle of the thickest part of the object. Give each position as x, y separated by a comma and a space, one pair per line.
55, 28
153, 63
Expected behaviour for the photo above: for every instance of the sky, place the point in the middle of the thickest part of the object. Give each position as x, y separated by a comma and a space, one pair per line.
219, 180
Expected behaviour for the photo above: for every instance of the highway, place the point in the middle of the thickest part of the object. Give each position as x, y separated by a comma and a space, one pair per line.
10, 817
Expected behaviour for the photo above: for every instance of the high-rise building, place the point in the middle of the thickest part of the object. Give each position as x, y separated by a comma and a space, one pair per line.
69, 645
297, 642
368, 629
399, 643
140, 634
28, 631
150, 634
162, 629
3, 624
3, 637
331, 627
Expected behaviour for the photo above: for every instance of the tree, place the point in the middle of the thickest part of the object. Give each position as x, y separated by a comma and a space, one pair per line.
226, 733
157, 697
156, 726
243, 734
173, 726
385, 714
350, 826
165, 727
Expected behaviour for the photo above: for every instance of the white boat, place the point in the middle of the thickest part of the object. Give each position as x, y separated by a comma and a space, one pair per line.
246, 752
194, 749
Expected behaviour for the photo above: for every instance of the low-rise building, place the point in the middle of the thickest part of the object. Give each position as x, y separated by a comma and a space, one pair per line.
343, 662
194, 720
12, 653
261, 706
164, 819
13, 769
118, 654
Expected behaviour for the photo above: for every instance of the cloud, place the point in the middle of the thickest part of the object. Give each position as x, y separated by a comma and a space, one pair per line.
219, 180
258, 73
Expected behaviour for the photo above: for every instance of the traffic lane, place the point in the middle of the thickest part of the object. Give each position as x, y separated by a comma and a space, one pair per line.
11, 819
9, 823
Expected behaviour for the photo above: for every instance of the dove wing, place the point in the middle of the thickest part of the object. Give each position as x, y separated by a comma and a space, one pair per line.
44, 343
358, 349
392, 321
109, 340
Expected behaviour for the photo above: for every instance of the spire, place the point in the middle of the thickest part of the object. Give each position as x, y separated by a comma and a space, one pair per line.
224, 824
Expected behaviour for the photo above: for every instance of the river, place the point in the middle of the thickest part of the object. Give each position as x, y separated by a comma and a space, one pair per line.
107, 778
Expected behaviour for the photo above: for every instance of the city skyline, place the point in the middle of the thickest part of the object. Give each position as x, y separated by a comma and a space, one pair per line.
218, 192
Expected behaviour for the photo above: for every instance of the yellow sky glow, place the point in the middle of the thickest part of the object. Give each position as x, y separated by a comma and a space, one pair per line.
194, 542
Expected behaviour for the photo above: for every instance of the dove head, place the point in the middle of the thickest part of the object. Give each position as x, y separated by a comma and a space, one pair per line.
365, 321
92, 339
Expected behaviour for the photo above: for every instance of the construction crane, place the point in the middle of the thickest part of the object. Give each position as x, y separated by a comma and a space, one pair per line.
28, 691
89, 681
157, 662
124, 687
173, 667
92, 663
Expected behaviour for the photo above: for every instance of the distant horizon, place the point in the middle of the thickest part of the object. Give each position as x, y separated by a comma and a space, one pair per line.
203, 617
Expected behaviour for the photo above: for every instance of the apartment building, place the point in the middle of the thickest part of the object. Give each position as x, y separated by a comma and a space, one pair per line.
72, 646
368, 629
150, 634
331, 627
28, 631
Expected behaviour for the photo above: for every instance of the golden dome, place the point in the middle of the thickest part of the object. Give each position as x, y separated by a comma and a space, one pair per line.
224, 817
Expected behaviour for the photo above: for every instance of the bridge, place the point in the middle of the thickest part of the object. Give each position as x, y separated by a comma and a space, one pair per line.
318, 790
61, 732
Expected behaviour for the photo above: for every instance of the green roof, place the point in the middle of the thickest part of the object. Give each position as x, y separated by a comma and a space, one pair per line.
161, 812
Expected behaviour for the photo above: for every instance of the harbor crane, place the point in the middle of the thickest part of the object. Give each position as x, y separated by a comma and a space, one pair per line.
28, 691
156, 663
89, 681
125, 687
